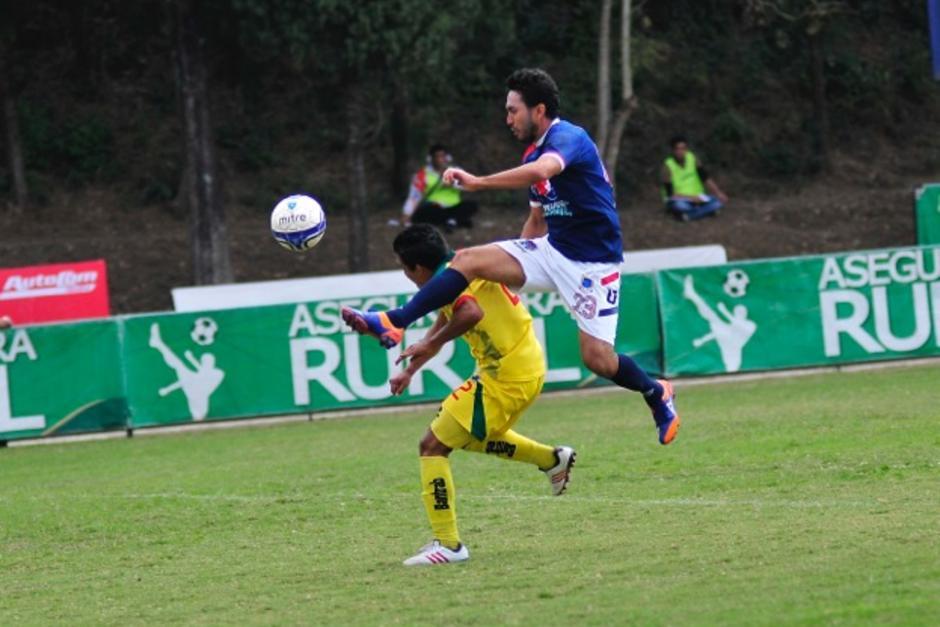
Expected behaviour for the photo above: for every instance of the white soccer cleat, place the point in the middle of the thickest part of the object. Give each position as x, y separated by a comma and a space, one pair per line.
436, 553
560, 474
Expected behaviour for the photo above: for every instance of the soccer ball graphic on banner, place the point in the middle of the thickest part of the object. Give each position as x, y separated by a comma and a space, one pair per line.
204, 330
736, 283
298, 223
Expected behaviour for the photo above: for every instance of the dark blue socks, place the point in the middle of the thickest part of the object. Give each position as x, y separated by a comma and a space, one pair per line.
439, 291
631, 376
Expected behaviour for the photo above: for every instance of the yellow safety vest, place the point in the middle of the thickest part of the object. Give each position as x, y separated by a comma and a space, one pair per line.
441, 194
685, 179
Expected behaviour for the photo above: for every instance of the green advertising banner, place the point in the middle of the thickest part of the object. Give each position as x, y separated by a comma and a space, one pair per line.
263, 361
300, 358
184, 368
173, 368
927, 214
59, 379
806, 311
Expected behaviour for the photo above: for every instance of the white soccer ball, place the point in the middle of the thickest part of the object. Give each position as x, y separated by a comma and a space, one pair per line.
204, 330
298, 223
736, 283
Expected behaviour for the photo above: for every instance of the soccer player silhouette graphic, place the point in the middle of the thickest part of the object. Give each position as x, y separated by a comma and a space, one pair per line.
198, 383
731, 330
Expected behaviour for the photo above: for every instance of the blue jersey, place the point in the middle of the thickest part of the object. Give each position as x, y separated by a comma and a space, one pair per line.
579, 202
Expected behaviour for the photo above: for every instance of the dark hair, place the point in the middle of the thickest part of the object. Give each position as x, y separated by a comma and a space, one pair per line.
676, 140
436, 148
421, 245
536, 87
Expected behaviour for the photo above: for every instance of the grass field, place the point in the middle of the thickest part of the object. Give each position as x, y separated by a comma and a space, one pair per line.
811, 500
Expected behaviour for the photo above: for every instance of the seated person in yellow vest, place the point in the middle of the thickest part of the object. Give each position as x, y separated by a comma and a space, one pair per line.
430, 201
684, 183
479, 415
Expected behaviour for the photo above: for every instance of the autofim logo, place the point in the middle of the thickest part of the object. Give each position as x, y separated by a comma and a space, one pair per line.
19, 286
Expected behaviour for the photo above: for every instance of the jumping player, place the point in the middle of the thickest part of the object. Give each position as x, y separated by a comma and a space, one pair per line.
479, 415
571, 243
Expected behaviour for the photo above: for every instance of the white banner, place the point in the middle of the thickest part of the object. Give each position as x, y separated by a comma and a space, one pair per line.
260, 293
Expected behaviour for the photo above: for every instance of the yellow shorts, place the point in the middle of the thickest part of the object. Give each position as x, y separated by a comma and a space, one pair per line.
483, 408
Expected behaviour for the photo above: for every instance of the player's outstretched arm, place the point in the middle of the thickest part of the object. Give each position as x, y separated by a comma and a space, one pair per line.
467, 314
545, 167
192, 359
400, 382
723, 310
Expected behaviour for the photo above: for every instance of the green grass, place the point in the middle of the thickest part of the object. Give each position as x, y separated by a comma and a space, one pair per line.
812, 500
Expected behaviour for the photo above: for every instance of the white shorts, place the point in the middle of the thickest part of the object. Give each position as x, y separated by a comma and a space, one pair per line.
591, 290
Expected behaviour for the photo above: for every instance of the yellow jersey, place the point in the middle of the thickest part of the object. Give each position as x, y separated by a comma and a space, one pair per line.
503, 343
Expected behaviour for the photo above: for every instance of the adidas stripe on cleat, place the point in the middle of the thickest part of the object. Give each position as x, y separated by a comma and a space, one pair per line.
436, 554
559, 475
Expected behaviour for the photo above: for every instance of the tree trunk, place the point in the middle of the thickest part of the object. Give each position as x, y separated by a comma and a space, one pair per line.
399, 131
11, 127
211, 263
603, 76
820, 106
358, 250
628, 102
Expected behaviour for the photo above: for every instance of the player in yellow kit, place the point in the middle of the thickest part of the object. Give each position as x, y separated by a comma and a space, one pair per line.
479, 415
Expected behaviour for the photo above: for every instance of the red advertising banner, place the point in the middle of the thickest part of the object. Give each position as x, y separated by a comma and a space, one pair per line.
55, 292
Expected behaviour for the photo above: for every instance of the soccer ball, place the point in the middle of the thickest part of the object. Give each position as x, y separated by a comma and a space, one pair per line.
736, 283
298, 223
204, 330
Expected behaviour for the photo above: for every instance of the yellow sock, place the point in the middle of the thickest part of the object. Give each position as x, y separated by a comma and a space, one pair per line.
437, 492
514, 446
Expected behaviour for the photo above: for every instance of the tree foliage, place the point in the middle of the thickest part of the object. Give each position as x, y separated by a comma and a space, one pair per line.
96, 104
